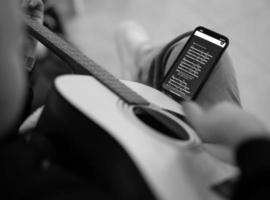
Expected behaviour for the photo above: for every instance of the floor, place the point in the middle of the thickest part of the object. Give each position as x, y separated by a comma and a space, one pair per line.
245, 22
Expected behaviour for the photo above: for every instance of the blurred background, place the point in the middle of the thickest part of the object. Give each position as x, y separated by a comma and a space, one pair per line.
90, 25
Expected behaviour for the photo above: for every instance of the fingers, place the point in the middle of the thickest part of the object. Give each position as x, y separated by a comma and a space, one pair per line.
34, 8
224, 124
31, 3
26, 4
199, 119
34, 3
210, 125
194, 113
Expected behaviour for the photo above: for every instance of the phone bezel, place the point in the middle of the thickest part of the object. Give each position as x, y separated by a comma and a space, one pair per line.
210, 33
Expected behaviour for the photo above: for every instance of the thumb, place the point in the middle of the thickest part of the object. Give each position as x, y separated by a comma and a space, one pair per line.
194, 113
203, 123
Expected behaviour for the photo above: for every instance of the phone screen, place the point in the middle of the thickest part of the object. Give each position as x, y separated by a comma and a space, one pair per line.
194, 64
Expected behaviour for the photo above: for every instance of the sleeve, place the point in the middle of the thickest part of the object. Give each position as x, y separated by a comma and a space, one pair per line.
253, 159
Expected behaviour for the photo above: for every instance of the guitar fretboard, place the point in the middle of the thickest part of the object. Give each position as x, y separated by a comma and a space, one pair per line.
81, 64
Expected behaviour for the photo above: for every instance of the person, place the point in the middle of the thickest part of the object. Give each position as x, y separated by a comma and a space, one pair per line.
143, 62
27, 170
216, 114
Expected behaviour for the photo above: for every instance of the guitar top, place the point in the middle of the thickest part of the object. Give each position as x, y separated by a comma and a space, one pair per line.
124, 132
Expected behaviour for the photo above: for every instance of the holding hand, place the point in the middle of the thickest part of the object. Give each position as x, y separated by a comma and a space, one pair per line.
224, 124
35, 10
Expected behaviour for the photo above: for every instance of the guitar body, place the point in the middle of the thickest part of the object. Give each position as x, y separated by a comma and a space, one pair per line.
115, 141
129, 139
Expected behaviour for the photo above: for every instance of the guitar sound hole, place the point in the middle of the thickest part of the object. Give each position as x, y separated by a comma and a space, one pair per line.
161, 123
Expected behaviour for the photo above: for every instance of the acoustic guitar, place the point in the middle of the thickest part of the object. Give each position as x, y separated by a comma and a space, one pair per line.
130, 137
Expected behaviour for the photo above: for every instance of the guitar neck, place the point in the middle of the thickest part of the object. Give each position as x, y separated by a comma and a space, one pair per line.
80, 63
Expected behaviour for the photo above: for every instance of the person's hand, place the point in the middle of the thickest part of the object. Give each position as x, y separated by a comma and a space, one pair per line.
225, 124
35, 10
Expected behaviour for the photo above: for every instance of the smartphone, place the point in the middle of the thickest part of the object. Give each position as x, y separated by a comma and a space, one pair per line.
194, 64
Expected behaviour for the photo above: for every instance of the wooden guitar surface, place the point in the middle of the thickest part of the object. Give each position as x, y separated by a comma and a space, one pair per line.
172, 168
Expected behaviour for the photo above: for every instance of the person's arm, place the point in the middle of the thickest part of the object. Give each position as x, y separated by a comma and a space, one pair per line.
246, 136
